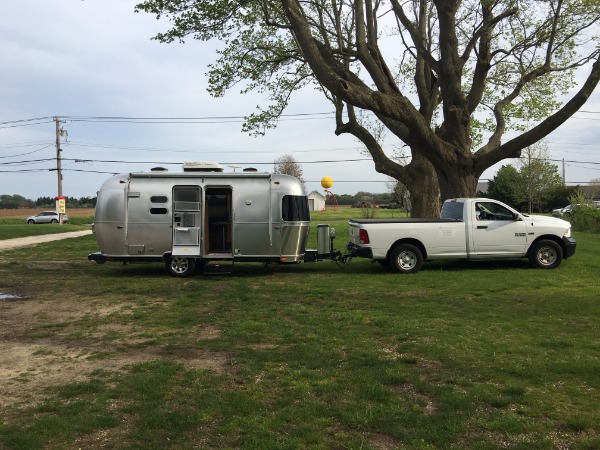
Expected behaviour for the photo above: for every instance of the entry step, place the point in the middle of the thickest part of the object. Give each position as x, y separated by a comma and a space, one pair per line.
218, 268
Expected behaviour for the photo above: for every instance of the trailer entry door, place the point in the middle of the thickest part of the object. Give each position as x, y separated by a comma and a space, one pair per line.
187, 221
218, 226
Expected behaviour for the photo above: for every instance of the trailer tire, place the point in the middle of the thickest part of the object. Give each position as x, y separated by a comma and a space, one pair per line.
180, 266
406, 258
545, 254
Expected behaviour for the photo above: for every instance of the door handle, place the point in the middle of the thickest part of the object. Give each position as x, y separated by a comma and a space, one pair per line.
481, 227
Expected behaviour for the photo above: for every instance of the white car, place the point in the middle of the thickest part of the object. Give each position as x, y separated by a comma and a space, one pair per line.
561, 211
46, 217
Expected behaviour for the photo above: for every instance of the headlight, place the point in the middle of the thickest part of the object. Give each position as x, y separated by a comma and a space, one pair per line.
567, 232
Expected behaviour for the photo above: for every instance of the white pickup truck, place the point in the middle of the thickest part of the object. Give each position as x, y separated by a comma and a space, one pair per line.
468, 228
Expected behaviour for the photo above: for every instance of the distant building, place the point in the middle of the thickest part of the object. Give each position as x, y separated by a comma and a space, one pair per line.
316, 201
592, 191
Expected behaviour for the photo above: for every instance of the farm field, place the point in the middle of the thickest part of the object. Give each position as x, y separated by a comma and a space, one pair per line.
22, 213
460, 355
12, 222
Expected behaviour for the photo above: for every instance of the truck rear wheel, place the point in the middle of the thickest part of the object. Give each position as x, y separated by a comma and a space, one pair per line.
180, 266
545, 254
406, 258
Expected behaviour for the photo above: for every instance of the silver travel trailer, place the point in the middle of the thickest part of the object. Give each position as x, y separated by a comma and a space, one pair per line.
202, 214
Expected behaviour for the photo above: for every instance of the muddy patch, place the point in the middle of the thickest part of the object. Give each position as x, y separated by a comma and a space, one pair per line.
45, 343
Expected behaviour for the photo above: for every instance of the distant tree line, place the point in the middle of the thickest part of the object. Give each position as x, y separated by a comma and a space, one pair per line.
18, 201
533, 184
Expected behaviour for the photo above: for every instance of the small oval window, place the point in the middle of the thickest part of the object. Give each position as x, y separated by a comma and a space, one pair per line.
158, 199
158, 211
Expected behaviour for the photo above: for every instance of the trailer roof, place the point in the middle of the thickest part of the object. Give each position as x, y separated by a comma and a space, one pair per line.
200, 175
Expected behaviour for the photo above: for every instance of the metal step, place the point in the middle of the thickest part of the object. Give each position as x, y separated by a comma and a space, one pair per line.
219, 268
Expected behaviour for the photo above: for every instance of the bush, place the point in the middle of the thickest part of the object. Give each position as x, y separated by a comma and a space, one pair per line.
585, 218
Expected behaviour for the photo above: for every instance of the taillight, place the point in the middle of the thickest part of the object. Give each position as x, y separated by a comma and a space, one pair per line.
363, 237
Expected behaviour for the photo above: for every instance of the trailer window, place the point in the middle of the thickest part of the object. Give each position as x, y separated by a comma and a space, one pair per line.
158, 211
159, 199
295, 208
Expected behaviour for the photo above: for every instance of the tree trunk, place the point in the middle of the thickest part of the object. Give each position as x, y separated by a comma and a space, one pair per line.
423, 187
457, 185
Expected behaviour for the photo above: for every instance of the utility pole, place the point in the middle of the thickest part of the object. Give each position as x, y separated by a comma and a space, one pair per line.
58, 166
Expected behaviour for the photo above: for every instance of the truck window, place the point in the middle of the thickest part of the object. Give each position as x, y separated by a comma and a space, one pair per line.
294, 208
452, 210
492, 211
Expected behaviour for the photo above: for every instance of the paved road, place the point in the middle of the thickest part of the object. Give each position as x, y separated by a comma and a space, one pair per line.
10, 244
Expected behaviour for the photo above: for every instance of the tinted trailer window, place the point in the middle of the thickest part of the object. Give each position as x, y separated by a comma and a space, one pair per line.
295, 208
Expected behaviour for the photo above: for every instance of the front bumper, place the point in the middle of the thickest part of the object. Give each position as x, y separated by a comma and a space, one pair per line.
570, 246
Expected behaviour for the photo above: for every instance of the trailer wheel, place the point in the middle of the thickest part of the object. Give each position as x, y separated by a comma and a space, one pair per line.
406, 258
545, 254
180, 266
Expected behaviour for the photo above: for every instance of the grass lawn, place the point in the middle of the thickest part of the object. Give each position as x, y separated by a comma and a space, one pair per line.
459, 355
13, 227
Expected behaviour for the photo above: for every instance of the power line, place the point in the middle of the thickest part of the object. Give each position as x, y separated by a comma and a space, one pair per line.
27, 153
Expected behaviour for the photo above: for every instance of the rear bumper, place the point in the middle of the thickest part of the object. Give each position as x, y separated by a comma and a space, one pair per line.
97, 257
570, 245
361, 252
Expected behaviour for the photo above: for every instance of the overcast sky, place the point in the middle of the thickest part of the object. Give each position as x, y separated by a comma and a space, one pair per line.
95, 58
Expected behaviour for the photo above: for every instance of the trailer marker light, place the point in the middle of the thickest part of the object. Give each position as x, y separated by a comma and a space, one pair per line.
284, 259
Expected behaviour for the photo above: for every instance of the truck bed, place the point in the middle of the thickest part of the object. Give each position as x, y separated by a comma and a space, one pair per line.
406, 220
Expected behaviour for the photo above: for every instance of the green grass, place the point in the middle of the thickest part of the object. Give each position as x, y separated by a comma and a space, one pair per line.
16, 228
459, 355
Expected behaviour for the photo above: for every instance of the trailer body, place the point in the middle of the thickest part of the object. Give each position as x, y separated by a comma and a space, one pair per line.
193, 217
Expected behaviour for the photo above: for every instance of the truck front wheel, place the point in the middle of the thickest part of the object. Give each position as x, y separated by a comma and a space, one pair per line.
545, 254
406, 258
180, 266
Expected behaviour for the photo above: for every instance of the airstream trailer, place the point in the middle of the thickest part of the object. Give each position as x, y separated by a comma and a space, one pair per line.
202, 214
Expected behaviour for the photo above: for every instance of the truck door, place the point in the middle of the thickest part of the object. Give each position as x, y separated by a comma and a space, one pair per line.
496, 232
187, 223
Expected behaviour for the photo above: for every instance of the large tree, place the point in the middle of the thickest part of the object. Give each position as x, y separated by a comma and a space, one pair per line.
448, 78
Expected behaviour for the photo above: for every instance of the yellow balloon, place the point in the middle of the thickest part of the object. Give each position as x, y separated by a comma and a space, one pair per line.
326, 182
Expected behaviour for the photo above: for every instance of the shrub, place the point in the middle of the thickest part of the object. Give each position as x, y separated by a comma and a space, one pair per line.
585, 218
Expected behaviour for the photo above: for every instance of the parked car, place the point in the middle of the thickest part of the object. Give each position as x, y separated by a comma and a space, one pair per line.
562, 211
567, 210
46, 217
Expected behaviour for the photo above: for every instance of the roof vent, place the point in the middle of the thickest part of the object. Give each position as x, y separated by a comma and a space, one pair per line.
250, 169
201, 166
159, 169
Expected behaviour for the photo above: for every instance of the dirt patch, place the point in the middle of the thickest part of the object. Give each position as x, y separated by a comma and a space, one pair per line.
37, 350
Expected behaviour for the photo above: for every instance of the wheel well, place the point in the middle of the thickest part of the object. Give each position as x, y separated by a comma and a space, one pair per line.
548, 237
411, 241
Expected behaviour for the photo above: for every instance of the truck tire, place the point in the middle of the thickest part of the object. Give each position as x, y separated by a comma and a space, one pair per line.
545, 254
406, 258
180, 266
